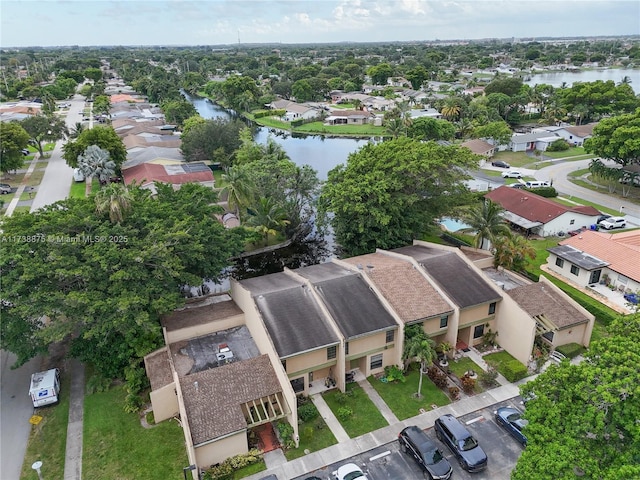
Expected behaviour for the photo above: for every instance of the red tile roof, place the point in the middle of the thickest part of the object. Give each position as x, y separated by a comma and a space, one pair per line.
151, 172
620, 250
533, 207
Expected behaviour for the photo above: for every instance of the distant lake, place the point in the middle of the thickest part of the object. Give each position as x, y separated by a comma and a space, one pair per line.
616, 74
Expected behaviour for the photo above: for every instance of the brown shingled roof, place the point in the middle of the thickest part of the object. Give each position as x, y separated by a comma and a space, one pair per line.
200, 314
409, 293
533, 207
540, 300
212, 398
158, 369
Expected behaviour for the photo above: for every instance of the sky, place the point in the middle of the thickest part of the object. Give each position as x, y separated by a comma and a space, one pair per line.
222, 22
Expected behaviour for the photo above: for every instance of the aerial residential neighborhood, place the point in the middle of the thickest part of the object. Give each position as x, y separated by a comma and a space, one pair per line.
312, 247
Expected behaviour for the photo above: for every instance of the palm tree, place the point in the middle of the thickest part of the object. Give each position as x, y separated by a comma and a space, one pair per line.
394, 127
418, 346
238, 188
77, 129
450, 110
357, 104
464, 128
94, 162
512, 251
626, 80
580, 111
114, 198
487, 222
268, 218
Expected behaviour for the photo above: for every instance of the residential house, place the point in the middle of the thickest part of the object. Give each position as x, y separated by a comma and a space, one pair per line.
480, 147
522, 142
575, 135
541, 216
425, 112
349, 117
152, 154
233, 364
147, 174
593, 257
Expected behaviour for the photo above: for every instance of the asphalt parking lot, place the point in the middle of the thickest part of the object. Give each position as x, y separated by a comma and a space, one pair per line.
388, 462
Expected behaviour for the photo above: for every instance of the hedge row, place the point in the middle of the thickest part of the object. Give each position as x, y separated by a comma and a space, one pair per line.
571, 350
269, 113
225, 470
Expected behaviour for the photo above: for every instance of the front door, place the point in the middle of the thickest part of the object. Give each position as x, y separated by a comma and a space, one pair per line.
595, 276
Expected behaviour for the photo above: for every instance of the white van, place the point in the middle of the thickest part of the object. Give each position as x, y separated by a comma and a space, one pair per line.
536, 184
45, 387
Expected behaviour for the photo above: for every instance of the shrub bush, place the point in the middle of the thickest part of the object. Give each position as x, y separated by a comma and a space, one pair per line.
571, 350
394, 374
513, 370
307, 412
343, 413
224, 470
546, 192
468, 384
488, 377
286, 434
269, 113
438, 377
454, 392
559, 145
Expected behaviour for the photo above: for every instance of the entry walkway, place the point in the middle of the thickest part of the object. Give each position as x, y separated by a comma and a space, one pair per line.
330, 419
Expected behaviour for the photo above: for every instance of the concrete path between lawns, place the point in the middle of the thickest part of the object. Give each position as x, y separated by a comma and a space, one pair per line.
73, 456
329, 418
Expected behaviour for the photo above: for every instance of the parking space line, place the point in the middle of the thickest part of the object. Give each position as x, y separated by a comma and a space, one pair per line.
474, 420
380, 455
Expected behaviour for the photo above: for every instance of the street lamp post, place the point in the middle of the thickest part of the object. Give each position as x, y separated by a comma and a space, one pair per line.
190, 468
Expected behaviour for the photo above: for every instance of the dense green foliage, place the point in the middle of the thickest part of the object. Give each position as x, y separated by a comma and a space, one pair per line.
13, 139
69, 271
583, 419
617, 138
508, 366
104, 137
215, 140
44, 129
388, 193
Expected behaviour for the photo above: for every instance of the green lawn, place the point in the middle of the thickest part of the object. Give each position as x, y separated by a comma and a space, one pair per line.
319, 127
540, 246
365, 418
504, 363
274, 122
48, 439
314, 435
572, 152
400, 397
461, 366
116, 446
515, 159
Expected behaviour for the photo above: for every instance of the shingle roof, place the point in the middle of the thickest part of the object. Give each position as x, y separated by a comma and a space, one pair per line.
158, 368
478, 146
293, 317
172, 174
582, 130
410, 294
540, 300
212, 398
199, 314
463, 284
620, 250
534, 207
355, 308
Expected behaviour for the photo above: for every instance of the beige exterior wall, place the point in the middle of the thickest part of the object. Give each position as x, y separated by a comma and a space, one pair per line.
186, 429
472, 315
254, 323
218, 451
364, 348
432, 327
204, 329
309, 361
516, 329
164, 402
575, 334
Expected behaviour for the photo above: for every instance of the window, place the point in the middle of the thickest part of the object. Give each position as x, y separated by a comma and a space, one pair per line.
548, 336
346, 348
575, 270
478, 331
444, 321
376, 361
492, 308
572, 222
331, 352
622, 279
559, 262
390, 336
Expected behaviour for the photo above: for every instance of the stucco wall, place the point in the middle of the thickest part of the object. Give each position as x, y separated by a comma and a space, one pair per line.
373, 345
164, 402
516, 329
219, 451
474, 314
205, 329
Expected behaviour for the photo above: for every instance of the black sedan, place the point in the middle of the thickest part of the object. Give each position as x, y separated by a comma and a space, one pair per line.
511, 420
501, 164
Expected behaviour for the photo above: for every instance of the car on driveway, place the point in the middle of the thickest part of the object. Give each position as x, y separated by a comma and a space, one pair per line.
501, 164
613, 222
5, 188
512, 174
350, 471
462, 444
511, 420
427, 455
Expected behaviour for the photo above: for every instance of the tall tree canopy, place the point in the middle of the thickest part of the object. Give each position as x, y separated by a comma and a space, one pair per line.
13, 139
426, 128
104, 137
74, 270
583, 419
388, 193
43, 128
617, 139
211, 139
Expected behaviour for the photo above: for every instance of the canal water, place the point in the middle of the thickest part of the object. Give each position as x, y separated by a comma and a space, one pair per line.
556, 79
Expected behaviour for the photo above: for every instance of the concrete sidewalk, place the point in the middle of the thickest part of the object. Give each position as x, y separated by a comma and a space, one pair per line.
73, 455
368, 441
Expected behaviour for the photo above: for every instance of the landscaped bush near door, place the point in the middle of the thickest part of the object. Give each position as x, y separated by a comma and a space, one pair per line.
438, 377
571, 350
559, 145
307, 412
509, 367
225, 470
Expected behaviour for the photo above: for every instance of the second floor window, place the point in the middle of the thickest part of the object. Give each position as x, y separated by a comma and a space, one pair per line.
444, 321
390, 336
331, 352
492, 308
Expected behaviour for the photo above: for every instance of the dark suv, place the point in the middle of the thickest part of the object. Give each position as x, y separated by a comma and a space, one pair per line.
452, 433
416, 443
